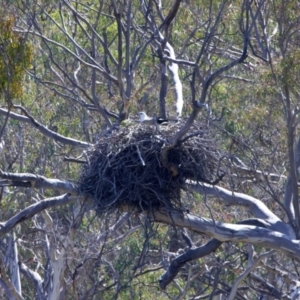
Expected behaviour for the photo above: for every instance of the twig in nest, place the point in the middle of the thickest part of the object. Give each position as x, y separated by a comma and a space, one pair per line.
140, 156
74, 160
190, 136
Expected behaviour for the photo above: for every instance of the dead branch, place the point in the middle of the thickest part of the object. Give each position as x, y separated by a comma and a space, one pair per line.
235, 233
6, 283
37, 181
256, 207
189, 255
198, 105
195, 253
34, 277
33, 209
246, 272
43, 129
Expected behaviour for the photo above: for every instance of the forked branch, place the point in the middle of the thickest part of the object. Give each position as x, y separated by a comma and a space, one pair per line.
235, 233
43, 129
33, 209
36, 181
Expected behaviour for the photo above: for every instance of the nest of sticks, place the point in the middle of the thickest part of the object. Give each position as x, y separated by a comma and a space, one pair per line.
134, 166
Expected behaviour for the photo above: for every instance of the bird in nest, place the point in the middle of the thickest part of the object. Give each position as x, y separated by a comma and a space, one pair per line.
146, 120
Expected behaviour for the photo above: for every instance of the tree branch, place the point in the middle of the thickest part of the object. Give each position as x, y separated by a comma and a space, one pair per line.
37, 181
232, 232
35, 277
192, 254
257, 208
94, 64
12, 292
170, 17
292, 179
198, 105
173, 67
44, 130
181, 260
246, 272
33, 209
49, 133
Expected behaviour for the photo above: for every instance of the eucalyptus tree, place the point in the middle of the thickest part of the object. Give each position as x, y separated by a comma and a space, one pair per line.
232, 64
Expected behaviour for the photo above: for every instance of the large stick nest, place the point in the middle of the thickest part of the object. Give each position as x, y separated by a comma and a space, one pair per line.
126, 166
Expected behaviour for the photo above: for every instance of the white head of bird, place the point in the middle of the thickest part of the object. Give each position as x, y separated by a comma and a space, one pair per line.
151, 120
144, 117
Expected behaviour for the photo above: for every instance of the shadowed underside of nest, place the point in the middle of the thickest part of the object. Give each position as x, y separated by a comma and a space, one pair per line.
125, 167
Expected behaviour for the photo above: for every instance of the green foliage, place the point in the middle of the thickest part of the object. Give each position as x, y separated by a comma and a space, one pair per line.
15, 55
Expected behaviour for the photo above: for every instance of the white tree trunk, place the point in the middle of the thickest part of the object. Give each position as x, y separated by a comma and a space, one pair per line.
12, 256
178, 85
58, 284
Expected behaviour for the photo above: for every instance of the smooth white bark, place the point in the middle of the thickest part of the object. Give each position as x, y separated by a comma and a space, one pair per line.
13, 264
256, 207
173, 67
235, 233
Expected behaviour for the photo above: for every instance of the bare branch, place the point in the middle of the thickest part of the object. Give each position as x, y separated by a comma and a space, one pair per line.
15, 116
189, 255
12, 260
163, 88
37, 181
170, 17
66, 49
43, 129
292, 178
232, 232
257, 208
33, 209
275, 292
14, 295
179, 61
112, 230
35, 277
246, 273
198, 105
192, 254
173, 67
